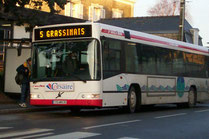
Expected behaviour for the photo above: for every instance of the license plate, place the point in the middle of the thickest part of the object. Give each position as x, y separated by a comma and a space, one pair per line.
59, 102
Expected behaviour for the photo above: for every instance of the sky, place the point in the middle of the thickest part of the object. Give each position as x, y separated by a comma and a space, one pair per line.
199, 10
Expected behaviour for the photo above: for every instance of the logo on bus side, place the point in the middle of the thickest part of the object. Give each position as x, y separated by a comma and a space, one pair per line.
56, 87
122, 88
180, 86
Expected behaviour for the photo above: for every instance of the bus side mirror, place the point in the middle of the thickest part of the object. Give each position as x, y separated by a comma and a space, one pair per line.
19, 49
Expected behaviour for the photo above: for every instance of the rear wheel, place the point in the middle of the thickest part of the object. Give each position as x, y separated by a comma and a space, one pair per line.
192, 98
132, 100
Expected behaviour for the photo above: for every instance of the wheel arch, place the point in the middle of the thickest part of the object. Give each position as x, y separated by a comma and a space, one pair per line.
138, 93
193, 86
137, 87
195, 92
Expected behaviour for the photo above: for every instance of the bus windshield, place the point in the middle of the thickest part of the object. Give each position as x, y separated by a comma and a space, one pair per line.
77, 60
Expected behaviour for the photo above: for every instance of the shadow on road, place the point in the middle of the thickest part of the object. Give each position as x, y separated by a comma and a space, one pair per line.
118, 111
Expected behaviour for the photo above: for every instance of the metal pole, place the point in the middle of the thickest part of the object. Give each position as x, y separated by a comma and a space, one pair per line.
181, 23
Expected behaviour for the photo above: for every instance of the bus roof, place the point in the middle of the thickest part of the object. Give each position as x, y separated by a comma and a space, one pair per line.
136, 36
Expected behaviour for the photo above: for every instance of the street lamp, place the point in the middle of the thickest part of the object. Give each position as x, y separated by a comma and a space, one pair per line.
182, 18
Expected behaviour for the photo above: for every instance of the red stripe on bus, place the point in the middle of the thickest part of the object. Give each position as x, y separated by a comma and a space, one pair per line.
194, 49
149, 40
50, 102
112, 32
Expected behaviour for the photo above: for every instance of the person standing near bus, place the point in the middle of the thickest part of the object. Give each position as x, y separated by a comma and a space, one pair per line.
25, 70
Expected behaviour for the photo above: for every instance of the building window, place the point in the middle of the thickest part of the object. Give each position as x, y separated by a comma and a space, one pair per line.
96, 12
116, 13
74, 9
4, 34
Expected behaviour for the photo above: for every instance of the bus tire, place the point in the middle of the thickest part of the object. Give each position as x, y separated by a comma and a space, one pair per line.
132, 100
192, 98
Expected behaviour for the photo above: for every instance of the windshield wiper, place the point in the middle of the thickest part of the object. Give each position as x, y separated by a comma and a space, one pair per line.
78, 78
39, 80
45, 79
57, 79
54, 79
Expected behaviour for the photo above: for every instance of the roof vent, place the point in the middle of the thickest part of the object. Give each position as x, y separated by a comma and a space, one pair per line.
127, 34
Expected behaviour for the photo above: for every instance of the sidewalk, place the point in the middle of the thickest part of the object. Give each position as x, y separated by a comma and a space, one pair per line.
8, 106
15, 108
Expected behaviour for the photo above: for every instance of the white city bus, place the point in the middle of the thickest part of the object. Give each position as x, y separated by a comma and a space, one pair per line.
98, 65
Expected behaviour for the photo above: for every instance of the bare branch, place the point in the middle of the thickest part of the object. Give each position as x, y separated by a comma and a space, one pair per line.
167, 8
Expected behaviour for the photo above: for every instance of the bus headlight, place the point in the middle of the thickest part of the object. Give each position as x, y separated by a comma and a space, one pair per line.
34, 96
90, 96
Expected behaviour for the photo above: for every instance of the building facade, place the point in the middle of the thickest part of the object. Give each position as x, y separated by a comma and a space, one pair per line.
95, 10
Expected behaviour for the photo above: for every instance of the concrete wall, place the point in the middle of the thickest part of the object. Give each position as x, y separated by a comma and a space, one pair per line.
20, 32
12, 62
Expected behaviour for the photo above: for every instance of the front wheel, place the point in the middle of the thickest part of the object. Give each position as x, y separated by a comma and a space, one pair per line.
132, 100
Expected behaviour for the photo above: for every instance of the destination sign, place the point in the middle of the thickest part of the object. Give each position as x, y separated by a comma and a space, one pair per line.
63, 32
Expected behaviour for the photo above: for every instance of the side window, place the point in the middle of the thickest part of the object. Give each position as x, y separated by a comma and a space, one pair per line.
164, 61
131, 58
178, 63
190, 67
111, 57
114, 55
148, 59
201, 66
139, 57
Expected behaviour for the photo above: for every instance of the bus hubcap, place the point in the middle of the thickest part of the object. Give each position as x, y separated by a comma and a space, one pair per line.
133, 100
191, 98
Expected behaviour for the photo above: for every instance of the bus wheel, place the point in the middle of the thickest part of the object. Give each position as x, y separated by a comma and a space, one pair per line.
132, 100
192, 98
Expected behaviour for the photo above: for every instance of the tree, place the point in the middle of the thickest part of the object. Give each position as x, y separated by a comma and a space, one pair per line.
167, 8
11, 5
12, 8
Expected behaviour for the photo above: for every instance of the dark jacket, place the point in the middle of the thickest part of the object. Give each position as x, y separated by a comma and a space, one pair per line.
25, 71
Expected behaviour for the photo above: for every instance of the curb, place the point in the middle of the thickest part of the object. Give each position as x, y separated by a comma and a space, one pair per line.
27, 110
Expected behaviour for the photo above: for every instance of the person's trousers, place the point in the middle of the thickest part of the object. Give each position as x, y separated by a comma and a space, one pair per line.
24, 92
